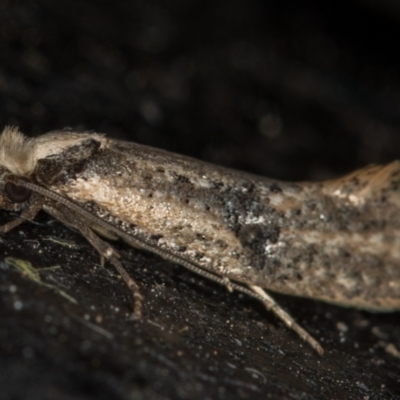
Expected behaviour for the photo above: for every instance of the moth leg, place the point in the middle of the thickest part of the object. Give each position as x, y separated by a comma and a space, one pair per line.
271, 305
107, 252
26, 215
228, 284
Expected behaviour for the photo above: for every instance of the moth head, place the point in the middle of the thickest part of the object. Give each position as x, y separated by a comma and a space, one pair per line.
41, 160
13, 197
15, 158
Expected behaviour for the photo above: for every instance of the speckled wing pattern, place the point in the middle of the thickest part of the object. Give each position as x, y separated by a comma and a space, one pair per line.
336, 241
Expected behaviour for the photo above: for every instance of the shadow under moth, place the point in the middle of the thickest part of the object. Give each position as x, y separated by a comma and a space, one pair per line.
336, 241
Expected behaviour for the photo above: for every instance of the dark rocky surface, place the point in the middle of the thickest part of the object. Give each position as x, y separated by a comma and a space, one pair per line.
279, 88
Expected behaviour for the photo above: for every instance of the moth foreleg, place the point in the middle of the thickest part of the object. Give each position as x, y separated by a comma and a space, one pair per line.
26, 215
271, 305
107, 252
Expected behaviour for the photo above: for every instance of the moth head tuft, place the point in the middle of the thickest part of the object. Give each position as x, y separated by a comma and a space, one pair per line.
16, 153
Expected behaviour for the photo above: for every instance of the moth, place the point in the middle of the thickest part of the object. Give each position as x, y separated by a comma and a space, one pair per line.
337, 241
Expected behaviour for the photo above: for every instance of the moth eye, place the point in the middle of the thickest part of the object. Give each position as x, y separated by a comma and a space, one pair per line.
17, 194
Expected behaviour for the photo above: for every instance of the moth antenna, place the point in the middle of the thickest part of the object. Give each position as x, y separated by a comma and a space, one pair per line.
271, 305
109, 253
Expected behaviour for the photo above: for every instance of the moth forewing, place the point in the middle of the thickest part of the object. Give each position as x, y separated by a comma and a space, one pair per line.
335, 241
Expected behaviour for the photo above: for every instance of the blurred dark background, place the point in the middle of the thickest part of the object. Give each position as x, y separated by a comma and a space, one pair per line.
295, 90
285, 88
